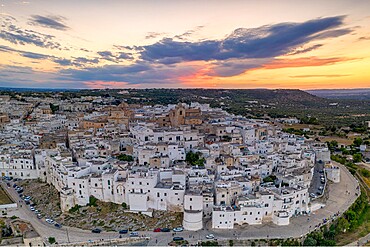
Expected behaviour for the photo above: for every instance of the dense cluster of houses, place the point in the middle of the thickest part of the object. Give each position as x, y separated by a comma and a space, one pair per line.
194, 159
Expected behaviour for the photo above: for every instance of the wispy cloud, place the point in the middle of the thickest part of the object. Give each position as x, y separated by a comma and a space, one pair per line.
50, 21
328, 76
153, 35
304, 62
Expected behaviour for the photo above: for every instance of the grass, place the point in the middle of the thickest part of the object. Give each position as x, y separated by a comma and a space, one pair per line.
4, 199
362, 230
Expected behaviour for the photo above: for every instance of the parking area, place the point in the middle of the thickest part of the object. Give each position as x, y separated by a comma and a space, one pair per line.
318, 181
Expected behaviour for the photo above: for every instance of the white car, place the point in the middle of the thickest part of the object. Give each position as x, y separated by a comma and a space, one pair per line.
50, 221
32, 208
313, 195
210, 236
178, 229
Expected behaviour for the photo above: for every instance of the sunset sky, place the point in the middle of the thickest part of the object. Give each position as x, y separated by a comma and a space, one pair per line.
183, 44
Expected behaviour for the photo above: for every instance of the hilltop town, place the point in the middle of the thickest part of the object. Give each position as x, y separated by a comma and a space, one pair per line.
216, 169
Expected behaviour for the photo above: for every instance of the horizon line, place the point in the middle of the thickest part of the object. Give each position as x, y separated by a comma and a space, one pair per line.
178, 88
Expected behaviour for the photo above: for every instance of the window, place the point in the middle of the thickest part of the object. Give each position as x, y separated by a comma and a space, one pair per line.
191, 199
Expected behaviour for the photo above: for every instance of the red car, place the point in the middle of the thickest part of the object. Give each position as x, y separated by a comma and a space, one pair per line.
157, 230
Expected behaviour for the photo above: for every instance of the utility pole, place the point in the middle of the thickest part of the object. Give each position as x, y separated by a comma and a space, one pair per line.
67, 235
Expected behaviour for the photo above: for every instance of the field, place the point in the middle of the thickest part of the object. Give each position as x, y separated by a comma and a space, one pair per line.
4, 199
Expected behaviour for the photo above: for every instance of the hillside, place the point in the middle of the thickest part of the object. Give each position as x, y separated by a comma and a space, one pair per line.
352, 94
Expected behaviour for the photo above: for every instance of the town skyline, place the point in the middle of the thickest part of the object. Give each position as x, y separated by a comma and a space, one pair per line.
185, 44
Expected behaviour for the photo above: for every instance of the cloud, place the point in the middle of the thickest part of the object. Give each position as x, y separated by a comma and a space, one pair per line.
50, 21
303, 62
153, 35
109, 56
74, 61
188, 33
32, 55
364, 38
301, 50
309, 76
234, 67
18, 36
247, 43
138, 73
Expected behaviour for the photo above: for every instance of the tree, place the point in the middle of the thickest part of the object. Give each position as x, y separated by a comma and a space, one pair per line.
125, 157
92, 201
52, 240
309, 241
357, 157
195, 159
357, 141
342, 225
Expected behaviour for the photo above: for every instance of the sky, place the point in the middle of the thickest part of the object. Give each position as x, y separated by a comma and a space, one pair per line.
185, 44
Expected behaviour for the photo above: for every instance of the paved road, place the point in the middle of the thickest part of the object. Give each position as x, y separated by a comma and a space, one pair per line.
338, 201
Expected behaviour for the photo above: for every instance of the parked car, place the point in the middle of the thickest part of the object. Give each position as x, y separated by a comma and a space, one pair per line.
313, 195
165, 229
134, 234
27, 202
58, 225
178, 229
32, 208
96, 230
123, 231
210, 236
39, 216
178, 238
15, 185
157, 230
50, 221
